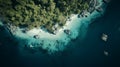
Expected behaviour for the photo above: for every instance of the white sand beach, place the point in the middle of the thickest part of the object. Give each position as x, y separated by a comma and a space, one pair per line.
38, 38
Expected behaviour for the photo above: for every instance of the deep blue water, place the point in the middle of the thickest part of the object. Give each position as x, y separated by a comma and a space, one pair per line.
88, 53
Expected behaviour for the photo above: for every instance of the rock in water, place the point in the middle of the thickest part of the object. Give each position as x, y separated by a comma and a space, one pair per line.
99, 9
31, 46
67, 31
106, 53
104, 37
36, 36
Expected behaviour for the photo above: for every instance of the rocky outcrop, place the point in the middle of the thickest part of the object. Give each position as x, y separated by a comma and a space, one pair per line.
99, 9
92, 7
67, 32
36, 36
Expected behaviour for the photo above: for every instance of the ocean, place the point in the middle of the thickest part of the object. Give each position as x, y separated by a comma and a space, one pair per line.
88, 52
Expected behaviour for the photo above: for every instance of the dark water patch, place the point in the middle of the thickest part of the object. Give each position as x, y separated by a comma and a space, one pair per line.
8, 49
109, 25
89, 53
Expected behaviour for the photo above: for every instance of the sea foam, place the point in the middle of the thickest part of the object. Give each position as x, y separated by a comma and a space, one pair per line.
58, 42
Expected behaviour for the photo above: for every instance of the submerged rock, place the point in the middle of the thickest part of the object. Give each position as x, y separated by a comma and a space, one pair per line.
84, 13
36, 36
24, 31
99, 9
106, 53
67, 31
31, 46
69, 18
79, 16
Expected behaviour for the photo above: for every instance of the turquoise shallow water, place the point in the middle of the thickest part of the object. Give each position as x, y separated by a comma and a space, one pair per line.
86, 53
78, 28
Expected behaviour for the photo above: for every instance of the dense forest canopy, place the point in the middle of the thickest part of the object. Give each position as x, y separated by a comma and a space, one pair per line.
36, 13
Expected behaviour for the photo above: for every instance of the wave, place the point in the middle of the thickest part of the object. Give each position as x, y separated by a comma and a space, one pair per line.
45, 42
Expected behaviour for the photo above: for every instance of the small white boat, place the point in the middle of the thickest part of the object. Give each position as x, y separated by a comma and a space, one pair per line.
104, 37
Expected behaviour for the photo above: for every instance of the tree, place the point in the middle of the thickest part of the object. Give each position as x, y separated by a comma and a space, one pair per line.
36, 13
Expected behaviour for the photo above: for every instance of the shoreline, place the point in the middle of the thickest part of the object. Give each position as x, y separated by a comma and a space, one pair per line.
38, 38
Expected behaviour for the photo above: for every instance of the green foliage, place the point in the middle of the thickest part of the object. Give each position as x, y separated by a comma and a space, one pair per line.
36, 13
